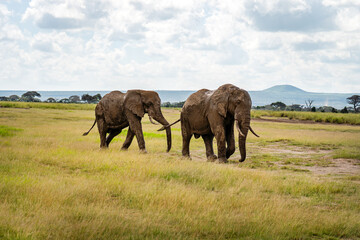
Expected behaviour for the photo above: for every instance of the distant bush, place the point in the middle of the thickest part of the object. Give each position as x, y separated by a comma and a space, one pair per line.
340, 118
91, 99
173, 105
30, 96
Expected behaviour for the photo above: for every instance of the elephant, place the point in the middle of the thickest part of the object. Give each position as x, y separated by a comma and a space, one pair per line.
213, 113
117, 110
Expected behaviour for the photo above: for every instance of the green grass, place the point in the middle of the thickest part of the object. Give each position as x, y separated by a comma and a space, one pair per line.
339, 118
57, 184
41, 105
6, 131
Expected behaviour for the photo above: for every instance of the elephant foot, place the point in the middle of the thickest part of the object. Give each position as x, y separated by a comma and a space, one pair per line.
124, 149
222, 160
187, 157
143, 151
211, 158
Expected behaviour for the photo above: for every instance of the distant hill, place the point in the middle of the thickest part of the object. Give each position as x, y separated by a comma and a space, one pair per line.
289, 95
283, 89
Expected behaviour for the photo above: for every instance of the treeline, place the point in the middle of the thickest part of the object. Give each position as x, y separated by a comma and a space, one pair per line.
173, 105
33, 96
308, 107
354, 101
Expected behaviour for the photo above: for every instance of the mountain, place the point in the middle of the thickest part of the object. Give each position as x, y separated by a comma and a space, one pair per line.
284, 89
289, 95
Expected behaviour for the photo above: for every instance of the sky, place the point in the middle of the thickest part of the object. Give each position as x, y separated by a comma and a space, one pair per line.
179, 45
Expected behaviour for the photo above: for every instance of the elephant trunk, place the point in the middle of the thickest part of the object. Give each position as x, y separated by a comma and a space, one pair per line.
160, 118
243, 131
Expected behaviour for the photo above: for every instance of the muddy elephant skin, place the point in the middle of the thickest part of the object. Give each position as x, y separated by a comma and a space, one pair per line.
212, 114
117, 110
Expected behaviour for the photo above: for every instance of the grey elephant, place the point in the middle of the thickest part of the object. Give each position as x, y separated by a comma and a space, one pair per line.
213, 113
117, 110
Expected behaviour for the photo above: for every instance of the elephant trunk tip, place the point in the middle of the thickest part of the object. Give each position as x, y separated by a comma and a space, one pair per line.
162, 128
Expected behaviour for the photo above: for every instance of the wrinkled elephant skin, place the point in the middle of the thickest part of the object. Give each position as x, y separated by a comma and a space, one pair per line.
117, 110
212, 114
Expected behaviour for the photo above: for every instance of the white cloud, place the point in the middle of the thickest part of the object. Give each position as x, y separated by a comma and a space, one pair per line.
111, 44
348, 19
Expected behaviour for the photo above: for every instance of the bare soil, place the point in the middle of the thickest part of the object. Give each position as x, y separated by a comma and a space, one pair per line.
330, 165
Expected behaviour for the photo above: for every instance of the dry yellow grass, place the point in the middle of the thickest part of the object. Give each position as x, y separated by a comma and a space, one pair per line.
57, 184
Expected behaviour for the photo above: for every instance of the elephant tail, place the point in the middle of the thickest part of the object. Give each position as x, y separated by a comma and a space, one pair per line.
86, 133
164, 127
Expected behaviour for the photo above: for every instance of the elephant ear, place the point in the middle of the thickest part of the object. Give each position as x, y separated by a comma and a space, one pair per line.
134, 104
220, 100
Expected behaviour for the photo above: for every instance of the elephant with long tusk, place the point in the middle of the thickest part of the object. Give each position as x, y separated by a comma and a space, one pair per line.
212, 114
117, 110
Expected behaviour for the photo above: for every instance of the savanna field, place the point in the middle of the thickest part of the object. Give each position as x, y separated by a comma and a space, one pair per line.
299, 181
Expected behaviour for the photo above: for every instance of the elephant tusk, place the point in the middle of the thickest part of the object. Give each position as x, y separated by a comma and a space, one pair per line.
150, 118
253, 132
238, 128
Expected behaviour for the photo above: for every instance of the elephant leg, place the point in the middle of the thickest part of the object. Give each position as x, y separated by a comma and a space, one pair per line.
136, 127
102, 132
230, 140
208, 140
129, 137
220, 140
186, 137
113, 133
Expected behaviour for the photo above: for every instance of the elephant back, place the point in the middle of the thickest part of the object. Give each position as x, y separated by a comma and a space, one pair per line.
113, 107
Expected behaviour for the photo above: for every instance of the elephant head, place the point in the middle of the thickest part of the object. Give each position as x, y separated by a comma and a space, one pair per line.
231, 101
140, 102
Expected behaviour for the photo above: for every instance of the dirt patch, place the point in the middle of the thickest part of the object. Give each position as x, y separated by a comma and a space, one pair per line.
292, 150
334, 167
338, 167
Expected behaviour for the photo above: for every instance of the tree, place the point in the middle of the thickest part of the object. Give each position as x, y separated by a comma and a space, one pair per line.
313, 109
3, 98
295, 107
30, 96
344, 110
14, 98
278, 105
354, 100
308, 104
97, 97
64, 100
74, 99
91, 99
86, 98
50, 100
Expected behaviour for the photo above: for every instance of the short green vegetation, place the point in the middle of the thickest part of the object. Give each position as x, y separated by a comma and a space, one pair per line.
300, 181
338, 118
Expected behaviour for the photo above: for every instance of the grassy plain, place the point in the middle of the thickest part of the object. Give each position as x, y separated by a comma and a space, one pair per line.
300, 181
325, 117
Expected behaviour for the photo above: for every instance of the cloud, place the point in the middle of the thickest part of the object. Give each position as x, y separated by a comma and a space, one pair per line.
8, 31
348, 19
49, 21
292, 16
314, 45
188, 44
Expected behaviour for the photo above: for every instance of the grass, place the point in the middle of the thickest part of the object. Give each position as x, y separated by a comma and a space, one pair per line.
6, 131
57, 184
41, 105
339, 118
